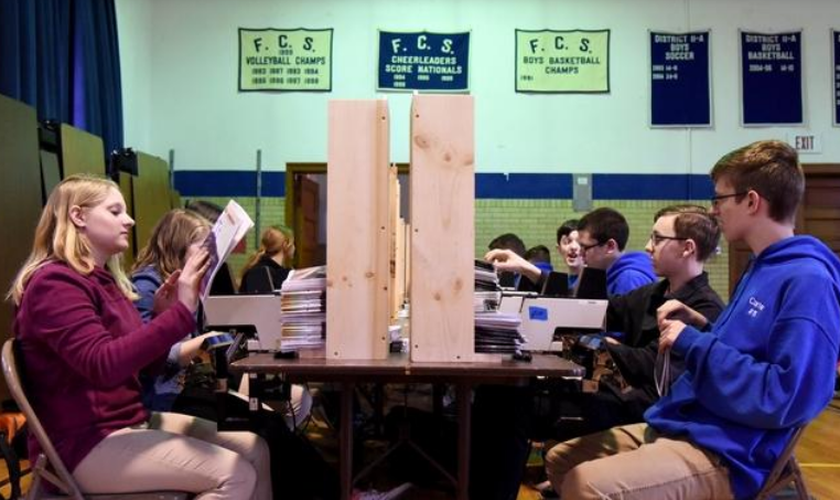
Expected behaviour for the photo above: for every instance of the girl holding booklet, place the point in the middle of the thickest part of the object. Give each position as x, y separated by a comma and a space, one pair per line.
83, 344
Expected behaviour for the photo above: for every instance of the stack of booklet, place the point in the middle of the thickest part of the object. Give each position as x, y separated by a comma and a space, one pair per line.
303, 304
495, 331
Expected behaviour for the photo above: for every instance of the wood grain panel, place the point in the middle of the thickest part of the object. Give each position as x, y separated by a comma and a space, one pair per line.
358, 230
443, 228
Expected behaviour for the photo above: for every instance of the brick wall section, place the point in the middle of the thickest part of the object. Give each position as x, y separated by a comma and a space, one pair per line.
535, 221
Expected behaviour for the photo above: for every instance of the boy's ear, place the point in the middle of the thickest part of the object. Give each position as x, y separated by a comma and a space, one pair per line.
690, 248
77, 216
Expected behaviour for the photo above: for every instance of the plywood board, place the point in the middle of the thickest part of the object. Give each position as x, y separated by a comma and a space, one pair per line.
81, 152
358, 230
151, 194
443, 229
20, 197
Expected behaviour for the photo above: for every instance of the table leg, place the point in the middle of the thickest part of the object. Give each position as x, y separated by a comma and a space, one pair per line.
464, 396
345, 458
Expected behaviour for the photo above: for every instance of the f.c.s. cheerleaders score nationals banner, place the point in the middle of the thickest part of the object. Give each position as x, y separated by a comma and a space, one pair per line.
562, 61
424, 61
290, 60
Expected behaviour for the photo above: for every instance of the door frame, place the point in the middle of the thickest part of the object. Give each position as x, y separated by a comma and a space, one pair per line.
810, 170
295, 168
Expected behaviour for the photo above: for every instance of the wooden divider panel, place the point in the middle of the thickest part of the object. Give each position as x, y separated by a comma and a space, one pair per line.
358, 230
443, 229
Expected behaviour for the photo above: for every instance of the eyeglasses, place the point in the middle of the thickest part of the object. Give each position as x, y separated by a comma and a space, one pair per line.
584, 248
657, 238
716, 199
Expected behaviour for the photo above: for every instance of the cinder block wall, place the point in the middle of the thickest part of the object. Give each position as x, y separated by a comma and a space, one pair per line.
535, 221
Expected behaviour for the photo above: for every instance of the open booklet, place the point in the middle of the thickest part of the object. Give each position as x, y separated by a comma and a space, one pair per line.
228, 230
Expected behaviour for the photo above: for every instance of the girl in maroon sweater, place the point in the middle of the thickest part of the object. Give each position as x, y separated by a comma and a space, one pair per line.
83, 345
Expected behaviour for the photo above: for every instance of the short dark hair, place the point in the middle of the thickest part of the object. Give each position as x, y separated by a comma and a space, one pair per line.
604, 224
770, 168
696, 223
539, 253
509, 241
566, 228
206, 209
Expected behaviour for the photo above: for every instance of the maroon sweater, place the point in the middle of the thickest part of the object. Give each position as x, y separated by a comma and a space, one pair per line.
82, 345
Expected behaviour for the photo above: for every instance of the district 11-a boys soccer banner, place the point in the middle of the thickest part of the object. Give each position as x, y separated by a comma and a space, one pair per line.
680, 95
553, 61
285, 60
436, 62
835, 89
771, 76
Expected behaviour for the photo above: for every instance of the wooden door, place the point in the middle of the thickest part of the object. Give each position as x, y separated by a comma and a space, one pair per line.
819, 215
306, 223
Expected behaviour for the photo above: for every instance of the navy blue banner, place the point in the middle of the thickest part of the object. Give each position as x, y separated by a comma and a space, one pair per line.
771, 73
424, 61
679, 80
835, 47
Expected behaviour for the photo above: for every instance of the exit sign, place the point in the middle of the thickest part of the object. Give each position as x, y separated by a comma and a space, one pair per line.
806, 143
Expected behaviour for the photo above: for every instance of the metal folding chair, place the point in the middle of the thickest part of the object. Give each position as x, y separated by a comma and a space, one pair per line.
47, 465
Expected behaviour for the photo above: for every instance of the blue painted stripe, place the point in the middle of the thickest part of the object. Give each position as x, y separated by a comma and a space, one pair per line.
523, 186
651, 187
487, 186
228, 183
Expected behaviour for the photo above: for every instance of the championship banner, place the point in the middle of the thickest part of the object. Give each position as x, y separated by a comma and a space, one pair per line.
436, 62
680, 94
835, 89
771, 75
285, 60
553, 61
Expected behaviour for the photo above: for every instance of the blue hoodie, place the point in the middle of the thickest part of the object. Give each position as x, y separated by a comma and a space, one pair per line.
768, 366
629, 272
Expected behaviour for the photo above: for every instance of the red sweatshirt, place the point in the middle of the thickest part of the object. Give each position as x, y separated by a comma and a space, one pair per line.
82, 345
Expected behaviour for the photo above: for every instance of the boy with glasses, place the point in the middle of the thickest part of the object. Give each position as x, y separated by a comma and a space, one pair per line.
683, 238
602, 236
763, 370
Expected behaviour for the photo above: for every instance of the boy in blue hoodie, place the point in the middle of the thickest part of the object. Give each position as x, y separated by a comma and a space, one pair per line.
765, 368
602, 236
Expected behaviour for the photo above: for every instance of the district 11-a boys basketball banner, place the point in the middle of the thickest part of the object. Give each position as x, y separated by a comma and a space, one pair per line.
562, 61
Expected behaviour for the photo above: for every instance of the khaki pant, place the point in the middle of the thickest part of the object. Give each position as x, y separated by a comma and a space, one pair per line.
178, 453
634, 462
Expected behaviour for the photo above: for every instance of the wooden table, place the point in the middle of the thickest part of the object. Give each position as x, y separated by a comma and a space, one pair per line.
399, 369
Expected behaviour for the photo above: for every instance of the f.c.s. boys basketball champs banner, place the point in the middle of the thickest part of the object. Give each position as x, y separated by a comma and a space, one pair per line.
562, 61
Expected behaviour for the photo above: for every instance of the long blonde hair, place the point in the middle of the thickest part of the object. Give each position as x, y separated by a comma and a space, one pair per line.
171, 237
275, 240
58, 240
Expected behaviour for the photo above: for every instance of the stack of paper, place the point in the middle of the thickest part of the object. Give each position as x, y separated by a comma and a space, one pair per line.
303, 304
495, 331
228, 230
